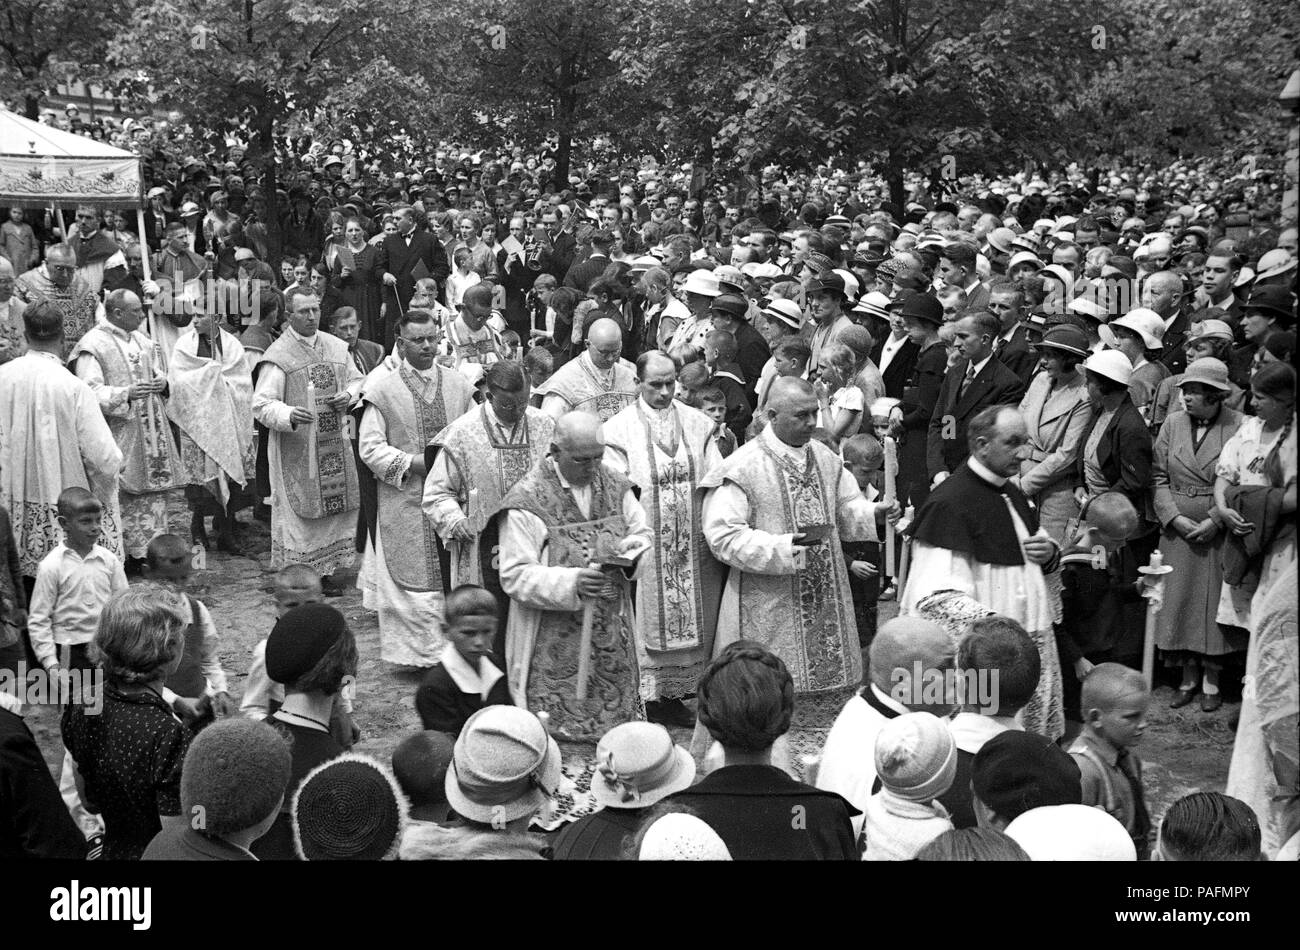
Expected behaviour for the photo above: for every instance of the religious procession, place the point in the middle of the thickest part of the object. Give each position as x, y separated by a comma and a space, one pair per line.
454, 505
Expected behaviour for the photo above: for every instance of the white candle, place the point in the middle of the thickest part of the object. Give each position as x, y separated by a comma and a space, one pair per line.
1157, 560
891, 493
313, 471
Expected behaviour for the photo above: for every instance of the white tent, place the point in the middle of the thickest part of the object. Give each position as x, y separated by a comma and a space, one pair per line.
41, 166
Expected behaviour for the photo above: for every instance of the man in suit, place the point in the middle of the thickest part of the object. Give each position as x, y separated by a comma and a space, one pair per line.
1218, 279
191, 215
957, 269
977, 381
580, 275
157, 217
403, 259
345, 324
559, 257
1163, 293
1012, 347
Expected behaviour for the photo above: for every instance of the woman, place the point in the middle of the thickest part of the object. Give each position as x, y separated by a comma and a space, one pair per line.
1262, 453
127, 756
1211, 339
1191, 542
333, 240
353, 274
1137, 336
18, 242
1056, 410
923, 319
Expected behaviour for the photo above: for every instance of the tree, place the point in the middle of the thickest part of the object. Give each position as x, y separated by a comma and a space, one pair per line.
261, 63
45, 42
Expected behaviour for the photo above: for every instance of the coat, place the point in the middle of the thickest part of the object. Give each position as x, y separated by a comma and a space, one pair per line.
401, 260
1124, 454
580, 275
1016, 354
899, 370
994, 385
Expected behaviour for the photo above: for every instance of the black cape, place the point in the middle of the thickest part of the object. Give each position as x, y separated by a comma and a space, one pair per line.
967, 514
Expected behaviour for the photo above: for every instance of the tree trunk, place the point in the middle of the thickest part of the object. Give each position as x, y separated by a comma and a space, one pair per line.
894, 179
563, 150
32, 107
265, 143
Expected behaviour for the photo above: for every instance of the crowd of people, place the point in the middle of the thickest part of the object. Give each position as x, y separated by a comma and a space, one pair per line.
628, 454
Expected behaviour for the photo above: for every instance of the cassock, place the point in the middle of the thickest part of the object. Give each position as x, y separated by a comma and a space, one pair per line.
52, 436
211, 401
151, 488
848, 765
550, 531
579, 385
402, 573
967, 537
313, 520
479, 460
799, 607
666, 453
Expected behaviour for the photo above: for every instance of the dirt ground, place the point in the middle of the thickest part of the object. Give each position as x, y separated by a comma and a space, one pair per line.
1183, 751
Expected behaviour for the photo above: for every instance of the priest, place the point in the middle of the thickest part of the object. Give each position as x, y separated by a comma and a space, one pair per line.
599, 381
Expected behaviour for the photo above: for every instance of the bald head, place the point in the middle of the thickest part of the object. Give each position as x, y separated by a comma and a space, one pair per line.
61, 265
903, 646
604, 342
122, 308
792, 410
578, 447
6, 269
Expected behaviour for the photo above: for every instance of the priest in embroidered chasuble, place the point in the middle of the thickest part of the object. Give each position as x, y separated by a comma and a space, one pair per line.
568, 513
666, 449
599, 381
126, 372
314, 487
775, 511
978, 535
479, 458
403, 572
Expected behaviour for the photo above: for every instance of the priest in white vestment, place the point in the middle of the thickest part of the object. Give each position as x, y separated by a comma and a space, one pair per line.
599, 381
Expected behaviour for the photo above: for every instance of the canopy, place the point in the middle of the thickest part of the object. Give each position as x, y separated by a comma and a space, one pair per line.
41, 165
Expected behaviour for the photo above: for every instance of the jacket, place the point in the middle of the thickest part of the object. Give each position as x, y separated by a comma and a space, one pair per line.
994, 385
1243, 555
1124, 454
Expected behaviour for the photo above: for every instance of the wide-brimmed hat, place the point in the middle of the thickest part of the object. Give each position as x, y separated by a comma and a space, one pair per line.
1208, 372
189, 209
1147, 324
920, 307
1112, 364
786, 312
1065, 337
851, 283
1211, 330
637, 764
1024, 257
504, 766
1274, 300
1001, 240
1071, 833
733, 305
874, 304
829, 282
702, 282
729, 277
761, 269
1273, 264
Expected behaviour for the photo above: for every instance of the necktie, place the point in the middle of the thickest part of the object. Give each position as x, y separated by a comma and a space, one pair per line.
965, 383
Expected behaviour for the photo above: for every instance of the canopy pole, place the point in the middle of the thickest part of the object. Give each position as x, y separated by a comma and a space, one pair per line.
63, 225
144, 245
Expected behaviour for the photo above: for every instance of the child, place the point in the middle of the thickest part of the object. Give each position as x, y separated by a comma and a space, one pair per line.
73, 583
916, 760
465, 679
126, 756
1095, 591
420, 763
197, 690
539, 364
1209, 826
790, 358
841, 401
511, 342
1114, 707
725, 373
713, 403
886, 417
997, 655
232, 787
864, 459
691, 382
295, 585
461, 278
348, 809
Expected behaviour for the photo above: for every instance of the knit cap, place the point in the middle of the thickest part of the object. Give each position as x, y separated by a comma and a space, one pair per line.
348, 809
682, 837
300, 639
234, 775
916, 757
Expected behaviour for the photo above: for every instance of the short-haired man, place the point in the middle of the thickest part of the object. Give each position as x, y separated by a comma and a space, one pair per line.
957, 268
56, 281
92, 245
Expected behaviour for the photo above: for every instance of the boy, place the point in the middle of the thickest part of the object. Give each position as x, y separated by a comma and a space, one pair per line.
295, 585
713, 403
197, 687
725, 373
1095, 591
465, 679
864, 459
1114, 707
691, 382
420, 764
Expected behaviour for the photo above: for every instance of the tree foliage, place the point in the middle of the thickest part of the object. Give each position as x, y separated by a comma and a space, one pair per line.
46, 42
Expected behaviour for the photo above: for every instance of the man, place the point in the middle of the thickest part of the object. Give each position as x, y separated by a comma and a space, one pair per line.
558, 257
1163, 294
56, 281
976, 381
957, 269
404, 258
827, 298
1217, 282
517, 277
313, 476
480, 457
471, 338
978, 534
176, 261
776, 511
346, 325
157, 217
210, 399
1007, 303
192, 220
402, 574
580, 275
126, 372
12, 344
599, 381
666, 448
568, 516
52, 436
92, 246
